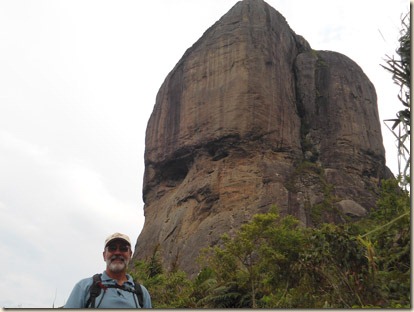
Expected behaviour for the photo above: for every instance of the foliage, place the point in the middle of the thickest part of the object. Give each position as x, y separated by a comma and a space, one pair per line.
400, 68
401, 71
257, 259
167, 289
274, 262
390, 235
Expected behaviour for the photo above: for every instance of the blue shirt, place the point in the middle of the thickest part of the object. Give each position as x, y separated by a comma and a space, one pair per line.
111, 298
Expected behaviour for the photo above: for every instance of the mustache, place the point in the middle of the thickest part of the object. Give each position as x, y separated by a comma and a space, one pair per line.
117, 258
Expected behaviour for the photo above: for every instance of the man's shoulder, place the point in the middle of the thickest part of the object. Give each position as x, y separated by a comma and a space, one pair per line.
77, 298
85, 282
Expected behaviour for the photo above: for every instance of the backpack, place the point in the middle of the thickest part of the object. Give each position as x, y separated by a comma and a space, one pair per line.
97, 286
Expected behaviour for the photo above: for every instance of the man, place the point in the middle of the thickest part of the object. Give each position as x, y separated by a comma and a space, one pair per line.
117, 289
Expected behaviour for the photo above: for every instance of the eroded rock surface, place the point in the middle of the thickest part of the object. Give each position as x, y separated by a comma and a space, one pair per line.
250, 117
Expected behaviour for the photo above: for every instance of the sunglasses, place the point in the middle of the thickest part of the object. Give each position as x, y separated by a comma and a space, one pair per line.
114, 247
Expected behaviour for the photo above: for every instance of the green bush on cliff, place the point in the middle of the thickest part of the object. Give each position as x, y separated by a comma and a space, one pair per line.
273, 262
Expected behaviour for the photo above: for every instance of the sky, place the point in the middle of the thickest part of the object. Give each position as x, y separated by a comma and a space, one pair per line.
78, 82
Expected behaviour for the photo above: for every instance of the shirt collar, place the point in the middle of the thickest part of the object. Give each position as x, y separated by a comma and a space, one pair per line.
106, 278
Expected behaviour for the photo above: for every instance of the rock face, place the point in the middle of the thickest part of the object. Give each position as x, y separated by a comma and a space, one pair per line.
252, 117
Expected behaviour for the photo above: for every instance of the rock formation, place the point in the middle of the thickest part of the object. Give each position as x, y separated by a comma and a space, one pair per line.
252, 117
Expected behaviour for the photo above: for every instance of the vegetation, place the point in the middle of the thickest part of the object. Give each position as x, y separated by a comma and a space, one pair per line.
400, 68
274, 262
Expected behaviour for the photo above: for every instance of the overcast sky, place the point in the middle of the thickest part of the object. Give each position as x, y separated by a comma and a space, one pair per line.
78, 81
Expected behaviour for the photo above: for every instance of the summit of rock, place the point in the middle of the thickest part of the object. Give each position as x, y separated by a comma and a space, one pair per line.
252, 117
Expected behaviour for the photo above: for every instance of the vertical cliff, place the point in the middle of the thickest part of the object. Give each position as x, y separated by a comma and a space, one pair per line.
249, 117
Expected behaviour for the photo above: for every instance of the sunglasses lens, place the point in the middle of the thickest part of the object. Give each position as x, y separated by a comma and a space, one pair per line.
122, 248
112, 248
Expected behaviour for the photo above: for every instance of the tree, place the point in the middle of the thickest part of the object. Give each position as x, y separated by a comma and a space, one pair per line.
255, 263
273, 262
401, 74
167, 289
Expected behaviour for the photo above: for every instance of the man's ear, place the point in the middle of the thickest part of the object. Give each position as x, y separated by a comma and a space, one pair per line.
103, 255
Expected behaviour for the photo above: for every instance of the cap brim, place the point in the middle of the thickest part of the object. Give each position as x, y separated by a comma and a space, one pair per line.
117, 239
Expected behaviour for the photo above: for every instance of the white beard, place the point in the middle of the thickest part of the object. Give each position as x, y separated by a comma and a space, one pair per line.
116, 267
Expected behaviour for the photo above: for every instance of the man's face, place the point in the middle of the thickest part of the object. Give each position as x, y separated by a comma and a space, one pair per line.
117, 255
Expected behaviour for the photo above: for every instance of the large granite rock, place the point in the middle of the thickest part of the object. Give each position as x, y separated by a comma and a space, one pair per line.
250, 117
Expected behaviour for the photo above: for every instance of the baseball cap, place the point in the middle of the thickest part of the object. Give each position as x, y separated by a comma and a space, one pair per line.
117, 236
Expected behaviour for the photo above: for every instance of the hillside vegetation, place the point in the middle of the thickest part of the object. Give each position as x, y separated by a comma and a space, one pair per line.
273, 262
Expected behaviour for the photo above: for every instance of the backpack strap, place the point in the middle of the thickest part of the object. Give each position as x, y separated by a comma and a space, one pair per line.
97, 286
95, 290
140, 295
